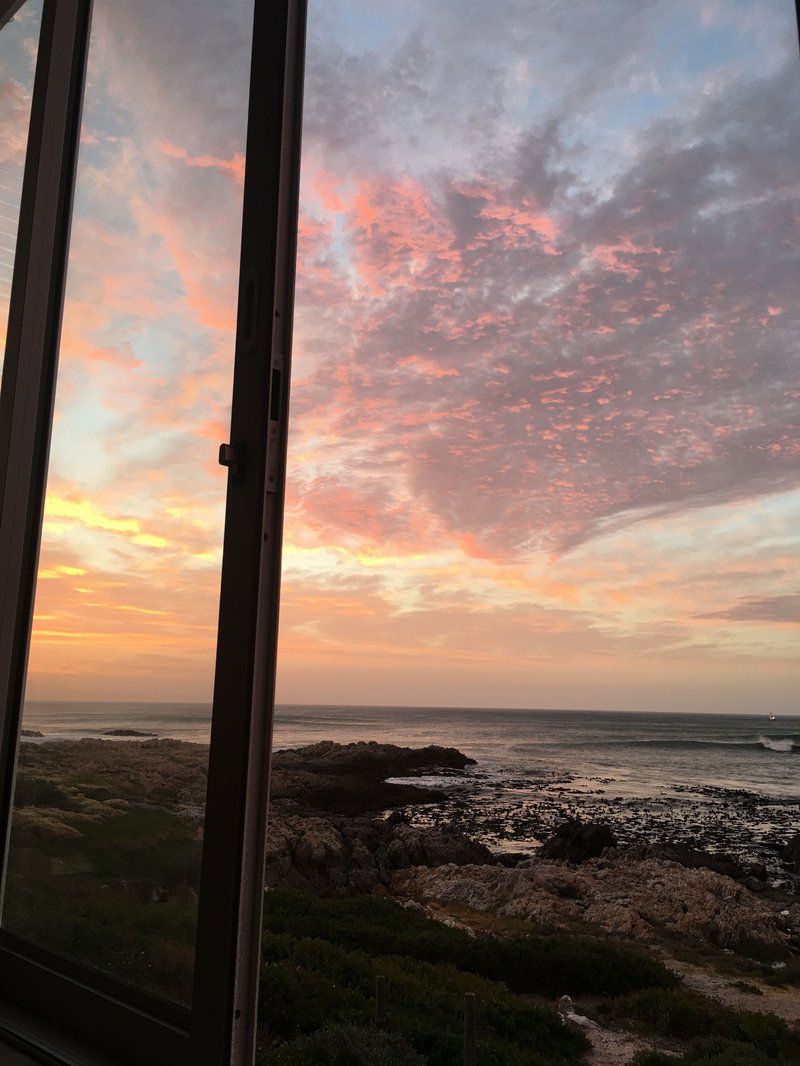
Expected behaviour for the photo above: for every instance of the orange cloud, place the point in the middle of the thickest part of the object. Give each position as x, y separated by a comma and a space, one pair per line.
233, 166
90, 515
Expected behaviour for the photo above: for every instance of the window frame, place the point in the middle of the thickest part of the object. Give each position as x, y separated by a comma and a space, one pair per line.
55, 1008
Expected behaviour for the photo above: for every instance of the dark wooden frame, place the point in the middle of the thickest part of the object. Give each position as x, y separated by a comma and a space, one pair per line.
58, 1010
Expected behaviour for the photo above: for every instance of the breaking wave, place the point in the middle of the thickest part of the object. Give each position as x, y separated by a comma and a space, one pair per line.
783, 745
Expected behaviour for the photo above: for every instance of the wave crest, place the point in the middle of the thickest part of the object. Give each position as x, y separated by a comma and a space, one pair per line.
786, 744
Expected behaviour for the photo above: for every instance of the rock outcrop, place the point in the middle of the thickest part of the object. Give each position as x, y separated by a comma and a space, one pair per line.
370, 759
166, 773
752, 875
339, 856
647, 900
323, 834
351, 778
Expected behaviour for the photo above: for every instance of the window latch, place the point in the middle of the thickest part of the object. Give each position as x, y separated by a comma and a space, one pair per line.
231, 455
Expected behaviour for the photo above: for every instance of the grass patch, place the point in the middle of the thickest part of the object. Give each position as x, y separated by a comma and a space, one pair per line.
150, 945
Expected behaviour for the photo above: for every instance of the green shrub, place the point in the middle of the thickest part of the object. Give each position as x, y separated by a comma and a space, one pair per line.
548, 965
784, 975
32, 791
309, 983
347, 1045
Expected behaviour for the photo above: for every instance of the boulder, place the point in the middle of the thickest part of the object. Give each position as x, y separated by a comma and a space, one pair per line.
576, 841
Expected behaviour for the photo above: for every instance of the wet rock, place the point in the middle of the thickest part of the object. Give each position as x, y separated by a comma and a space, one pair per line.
127, 733
576, 841
351, 778
370, 759
341, 793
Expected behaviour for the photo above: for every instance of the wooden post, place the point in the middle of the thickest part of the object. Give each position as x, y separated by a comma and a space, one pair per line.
470, 1030
381, 1000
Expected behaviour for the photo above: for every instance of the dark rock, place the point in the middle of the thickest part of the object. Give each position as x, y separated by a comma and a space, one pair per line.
30, 733
790, 853
351, 778
305, 792
370, 759
576, 841
755, 884
127, 733
753, 876
334, 856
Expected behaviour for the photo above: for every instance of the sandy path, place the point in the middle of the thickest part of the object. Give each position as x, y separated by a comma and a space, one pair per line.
611, 1048
783, 1002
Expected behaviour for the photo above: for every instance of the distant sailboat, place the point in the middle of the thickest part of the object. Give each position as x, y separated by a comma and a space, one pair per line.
772, 718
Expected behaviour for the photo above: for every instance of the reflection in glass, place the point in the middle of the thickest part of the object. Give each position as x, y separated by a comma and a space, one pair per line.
108, 821
19, 43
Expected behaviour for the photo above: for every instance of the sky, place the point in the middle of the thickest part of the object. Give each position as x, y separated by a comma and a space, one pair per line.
17, 58
544, 445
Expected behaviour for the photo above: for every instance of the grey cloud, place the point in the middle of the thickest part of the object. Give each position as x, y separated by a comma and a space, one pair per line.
771, 609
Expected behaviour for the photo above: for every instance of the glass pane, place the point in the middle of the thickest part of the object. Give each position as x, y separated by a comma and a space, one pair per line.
19, 45
543, 470
108, 819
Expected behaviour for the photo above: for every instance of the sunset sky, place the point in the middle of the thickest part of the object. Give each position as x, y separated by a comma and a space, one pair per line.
546, 388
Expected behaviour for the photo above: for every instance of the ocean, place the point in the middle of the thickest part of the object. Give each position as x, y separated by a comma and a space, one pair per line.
600, 753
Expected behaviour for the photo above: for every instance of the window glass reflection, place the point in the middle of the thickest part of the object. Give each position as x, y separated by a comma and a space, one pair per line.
19, 45
108, 821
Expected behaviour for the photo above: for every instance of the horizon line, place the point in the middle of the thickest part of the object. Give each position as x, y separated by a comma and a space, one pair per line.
432, 707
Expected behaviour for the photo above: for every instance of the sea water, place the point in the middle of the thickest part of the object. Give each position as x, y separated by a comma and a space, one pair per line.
617, 754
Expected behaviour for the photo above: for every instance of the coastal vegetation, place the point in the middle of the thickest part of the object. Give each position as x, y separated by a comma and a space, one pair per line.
321, 959
105, 870
307, 983
546, 965
708, 1030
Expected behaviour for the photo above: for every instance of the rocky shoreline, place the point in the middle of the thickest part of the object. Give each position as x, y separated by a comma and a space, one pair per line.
517, 816
349, 819
655, 886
